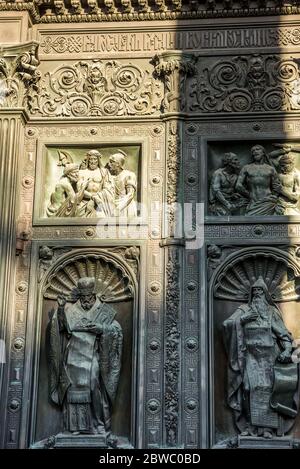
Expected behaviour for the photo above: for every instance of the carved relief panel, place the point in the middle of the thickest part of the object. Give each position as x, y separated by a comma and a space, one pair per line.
246, 83
254, 381
106, 88
139, 149
105, 149
253, 178
95, 182
86, 327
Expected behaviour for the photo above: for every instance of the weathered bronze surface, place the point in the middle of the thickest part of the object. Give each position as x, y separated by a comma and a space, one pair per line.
149, 149
85, 350
262, 379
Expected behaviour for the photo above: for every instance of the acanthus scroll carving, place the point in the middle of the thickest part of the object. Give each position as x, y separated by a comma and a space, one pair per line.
249, 83
97, 89
19, 75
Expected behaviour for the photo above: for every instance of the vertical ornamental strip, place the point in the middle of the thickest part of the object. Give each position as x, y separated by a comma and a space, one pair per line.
174, 69
18, 76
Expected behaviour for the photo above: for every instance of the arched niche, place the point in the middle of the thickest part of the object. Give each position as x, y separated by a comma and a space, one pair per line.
116, 285
229, 287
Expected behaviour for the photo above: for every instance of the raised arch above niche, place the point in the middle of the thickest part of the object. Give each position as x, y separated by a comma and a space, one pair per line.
278, 269
113, 281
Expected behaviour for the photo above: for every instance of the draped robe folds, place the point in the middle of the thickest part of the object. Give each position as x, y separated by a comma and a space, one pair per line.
252, 351
84, 367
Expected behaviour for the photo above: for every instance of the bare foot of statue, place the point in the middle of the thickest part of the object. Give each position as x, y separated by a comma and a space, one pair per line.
267, 433
246, 432
75, 433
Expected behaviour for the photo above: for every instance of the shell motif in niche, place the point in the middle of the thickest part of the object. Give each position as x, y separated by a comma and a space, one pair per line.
234, 282
113, 284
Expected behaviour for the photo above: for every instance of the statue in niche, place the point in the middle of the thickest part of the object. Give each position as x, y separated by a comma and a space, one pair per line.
85, 351
223, 196
262, 379
94, 190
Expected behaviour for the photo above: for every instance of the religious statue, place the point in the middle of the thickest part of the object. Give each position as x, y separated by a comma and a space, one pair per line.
260, 183
262, 379
97, 184
92, 189
64, 199
85, 351
125, 186
223, 196
283, 161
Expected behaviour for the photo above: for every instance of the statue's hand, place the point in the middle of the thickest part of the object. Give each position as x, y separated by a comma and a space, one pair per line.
61, 300
95, 328
287, 148
248, 318
284, 357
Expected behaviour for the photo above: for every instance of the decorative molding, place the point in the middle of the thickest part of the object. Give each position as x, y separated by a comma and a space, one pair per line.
97, 88
19, 75
279, 269
270, 231
47, 256
68, 11
113, 283
173, 172
248, 84
174, 69
149, 42
172, 358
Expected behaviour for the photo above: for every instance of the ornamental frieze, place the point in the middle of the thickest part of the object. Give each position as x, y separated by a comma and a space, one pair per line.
68, 11
252, 83
154, 42
97, 88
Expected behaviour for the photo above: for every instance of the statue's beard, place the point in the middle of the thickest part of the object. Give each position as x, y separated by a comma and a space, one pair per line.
87, 304
114, 172
260, 305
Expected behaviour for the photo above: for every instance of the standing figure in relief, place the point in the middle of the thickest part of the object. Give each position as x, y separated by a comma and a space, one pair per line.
125, 186
85, 351
262, 379
65, 198
223, 197
284, 163
98, 185
259, 182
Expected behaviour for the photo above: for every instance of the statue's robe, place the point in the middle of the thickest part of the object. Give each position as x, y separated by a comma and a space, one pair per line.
84, 366
125, 203
121, 195
254, 373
